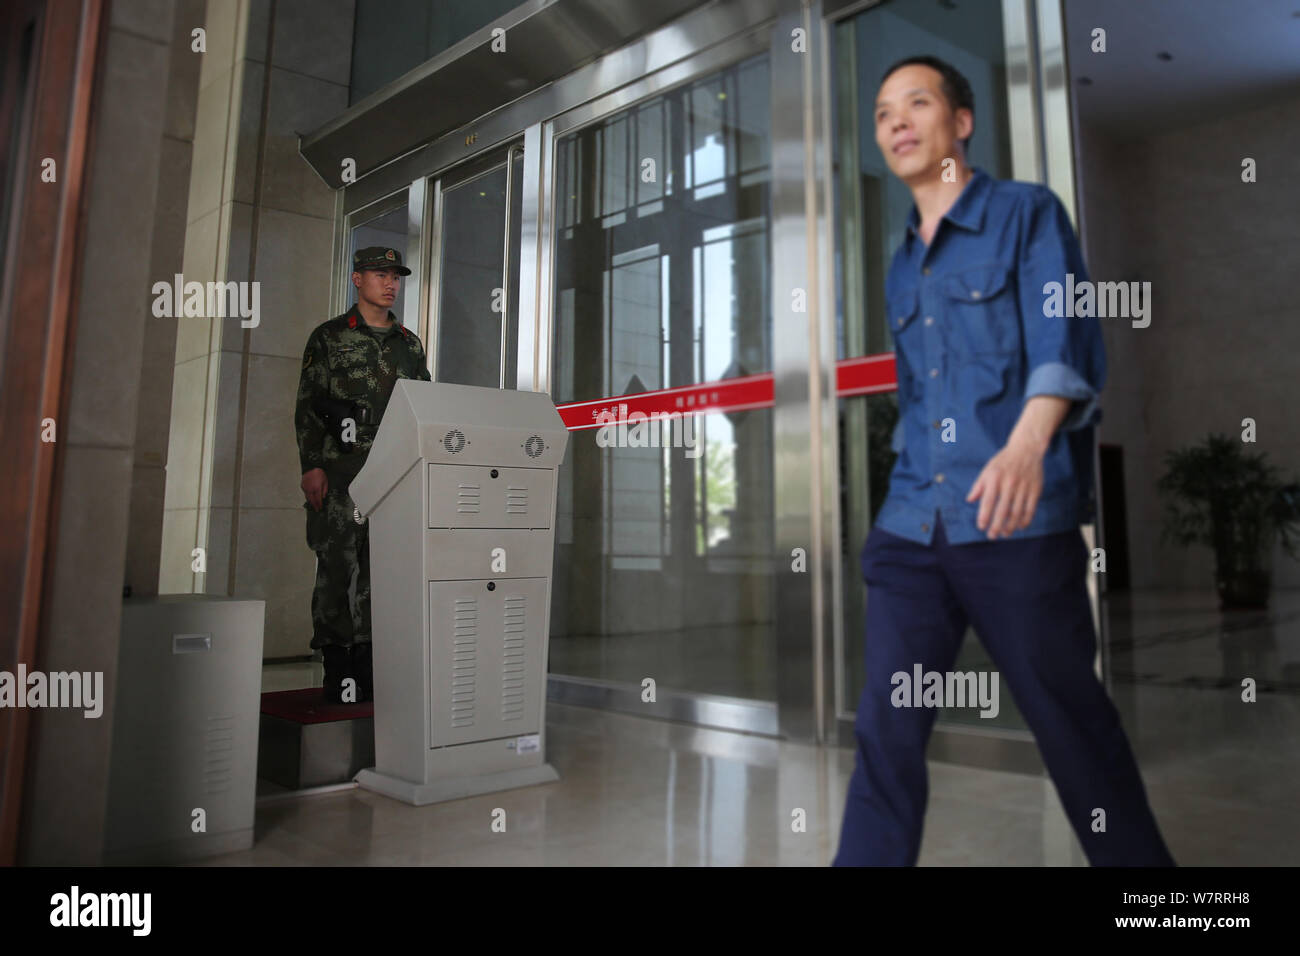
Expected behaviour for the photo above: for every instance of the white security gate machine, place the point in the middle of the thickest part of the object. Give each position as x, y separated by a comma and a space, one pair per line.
459, 491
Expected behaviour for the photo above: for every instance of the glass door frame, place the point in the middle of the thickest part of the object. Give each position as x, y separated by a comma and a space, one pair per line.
437, 184
700, 42
790, 714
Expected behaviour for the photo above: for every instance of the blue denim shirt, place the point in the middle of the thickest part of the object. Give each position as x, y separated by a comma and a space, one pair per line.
972, 344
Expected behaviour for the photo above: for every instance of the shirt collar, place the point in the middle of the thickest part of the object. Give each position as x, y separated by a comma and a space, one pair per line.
967, 211
357, 321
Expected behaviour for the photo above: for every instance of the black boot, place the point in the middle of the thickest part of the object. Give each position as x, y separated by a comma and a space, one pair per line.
338, 667
363, 671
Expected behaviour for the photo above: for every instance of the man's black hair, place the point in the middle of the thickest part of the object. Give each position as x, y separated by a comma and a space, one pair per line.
956, 88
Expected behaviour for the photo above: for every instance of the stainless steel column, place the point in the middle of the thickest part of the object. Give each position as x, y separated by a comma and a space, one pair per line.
805, 454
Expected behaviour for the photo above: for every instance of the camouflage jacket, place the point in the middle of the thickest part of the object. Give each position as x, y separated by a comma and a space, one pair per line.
348, 372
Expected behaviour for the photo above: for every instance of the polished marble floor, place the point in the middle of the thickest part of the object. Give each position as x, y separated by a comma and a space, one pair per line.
1223, 776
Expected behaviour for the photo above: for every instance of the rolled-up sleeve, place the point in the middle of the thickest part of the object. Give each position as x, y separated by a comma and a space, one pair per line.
1065, 353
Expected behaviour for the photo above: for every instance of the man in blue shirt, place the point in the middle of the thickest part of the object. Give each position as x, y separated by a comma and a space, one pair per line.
997, 400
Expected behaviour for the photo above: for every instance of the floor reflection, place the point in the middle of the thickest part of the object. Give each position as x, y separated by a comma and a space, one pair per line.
1222, 775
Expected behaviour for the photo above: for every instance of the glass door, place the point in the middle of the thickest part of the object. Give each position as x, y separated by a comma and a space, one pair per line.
474, 319
662, 369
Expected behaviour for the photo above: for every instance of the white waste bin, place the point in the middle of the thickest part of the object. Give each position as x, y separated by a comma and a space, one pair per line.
183, 770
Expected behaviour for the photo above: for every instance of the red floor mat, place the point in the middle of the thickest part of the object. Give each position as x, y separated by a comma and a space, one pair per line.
307, 706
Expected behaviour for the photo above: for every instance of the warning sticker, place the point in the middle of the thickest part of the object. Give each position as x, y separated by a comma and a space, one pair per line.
528, 744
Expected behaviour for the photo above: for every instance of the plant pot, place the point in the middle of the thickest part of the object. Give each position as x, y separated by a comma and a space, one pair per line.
1244, 588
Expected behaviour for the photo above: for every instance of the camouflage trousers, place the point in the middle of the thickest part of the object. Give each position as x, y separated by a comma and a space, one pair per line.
340, 602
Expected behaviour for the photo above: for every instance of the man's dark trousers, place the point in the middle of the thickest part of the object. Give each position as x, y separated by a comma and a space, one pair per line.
1028, 602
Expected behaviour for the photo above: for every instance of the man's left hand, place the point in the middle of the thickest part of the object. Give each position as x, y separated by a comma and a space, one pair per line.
1008, 488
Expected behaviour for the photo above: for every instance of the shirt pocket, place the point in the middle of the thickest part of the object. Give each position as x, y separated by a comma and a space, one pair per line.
904, 307
981, 310
350, 357
350, 368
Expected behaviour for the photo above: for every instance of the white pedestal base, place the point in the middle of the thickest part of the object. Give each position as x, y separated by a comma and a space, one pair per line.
454, 788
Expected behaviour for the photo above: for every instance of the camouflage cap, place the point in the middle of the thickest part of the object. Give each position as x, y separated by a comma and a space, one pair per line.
379, 257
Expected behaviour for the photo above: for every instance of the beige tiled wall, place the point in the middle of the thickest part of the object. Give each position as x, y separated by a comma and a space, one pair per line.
1171, 209
257, 212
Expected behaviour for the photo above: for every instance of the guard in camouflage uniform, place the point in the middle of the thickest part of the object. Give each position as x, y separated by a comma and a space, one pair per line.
349, 368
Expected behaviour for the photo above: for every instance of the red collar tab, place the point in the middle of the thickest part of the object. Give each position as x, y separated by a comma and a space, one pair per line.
352, 321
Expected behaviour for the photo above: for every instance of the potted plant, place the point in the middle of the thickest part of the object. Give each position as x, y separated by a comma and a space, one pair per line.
1220, 495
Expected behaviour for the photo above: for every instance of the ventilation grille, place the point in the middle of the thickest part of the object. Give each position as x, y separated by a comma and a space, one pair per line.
218, 751
512, 659
516, 499
464, 662
467, 498
454, 441
534, 447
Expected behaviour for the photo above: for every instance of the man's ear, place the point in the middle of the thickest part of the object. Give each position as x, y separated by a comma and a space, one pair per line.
356, 280
965, 124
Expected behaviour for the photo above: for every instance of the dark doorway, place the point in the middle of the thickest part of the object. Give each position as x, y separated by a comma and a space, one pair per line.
1114, 517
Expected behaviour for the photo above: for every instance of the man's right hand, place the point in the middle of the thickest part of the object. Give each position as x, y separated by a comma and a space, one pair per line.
315, 486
